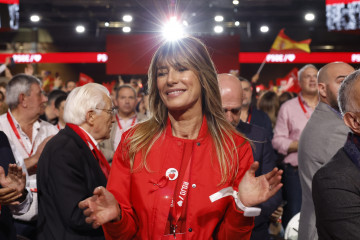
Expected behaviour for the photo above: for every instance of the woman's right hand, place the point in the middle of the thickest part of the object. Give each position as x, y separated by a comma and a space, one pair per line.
101, 208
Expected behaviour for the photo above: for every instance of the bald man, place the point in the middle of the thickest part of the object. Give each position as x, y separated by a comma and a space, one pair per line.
232, 98
324, 134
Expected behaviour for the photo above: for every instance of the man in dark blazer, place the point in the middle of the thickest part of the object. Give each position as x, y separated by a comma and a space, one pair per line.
336, 186
10, 201
249, 112
71, 165
231, 97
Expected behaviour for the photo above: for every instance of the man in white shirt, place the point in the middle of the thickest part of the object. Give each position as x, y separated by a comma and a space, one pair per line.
27, 135
126, 118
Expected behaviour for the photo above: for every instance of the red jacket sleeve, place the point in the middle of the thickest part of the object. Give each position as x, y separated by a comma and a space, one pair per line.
235, 225
119, 184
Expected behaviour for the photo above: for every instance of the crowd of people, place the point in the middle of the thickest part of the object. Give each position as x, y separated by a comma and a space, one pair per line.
197, 155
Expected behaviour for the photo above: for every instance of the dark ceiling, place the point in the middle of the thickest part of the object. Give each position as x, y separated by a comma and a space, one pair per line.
59, 17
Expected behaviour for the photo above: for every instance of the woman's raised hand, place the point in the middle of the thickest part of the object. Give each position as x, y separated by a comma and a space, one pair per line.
101, 208
255, 190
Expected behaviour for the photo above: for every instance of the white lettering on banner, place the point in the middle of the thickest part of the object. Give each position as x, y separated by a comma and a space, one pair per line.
102, 57
27, 58
355, 57
280, 58
184, 187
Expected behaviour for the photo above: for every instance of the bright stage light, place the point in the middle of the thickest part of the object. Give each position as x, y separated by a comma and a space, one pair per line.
264, 29
173, 30
127, 18
218, 18
218, 29
309, 17
80, 29
34, 18
126, 29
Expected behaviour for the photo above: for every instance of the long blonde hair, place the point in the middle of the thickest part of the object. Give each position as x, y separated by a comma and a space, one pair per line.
191, 53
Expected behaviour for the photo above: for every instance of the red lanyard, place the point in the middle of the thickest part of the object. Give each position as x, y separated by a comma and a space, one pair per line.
58, 126
303, 108
18, 135
104, 165
249, 116
118, 121
179, 202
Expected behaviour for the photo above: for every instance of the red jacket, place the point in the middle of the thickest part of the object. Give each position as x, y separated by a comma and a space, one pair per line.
145, 206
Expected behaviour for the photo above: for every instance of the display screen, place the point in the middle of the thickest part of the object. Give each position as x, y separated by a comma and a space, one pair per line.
9, 15
342, 15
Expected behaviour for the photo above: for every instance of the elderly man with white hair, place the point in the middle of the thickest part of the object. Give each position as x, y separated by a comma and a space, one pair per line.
71, 165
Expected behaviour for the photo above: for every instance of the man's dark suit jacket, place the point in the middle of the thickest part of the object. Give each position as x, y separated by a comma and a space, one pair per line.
262, 120
336, 195
263, 153
7, 229
67, 173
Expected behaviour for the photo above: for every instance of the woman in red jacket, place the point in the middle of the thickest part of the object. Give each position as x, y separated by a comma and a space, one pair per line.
174, 175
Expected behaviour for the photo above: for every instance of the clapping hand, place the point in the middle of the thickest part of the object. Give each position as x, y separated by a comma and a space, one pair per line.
101, 208
13, 185
255, 190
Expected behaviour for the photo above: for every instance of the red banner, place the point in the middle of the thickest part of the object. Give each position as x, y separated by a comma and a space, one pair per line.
328, 2
69, 57
243, 57
84, 79
290, 82
258, 57
131, 54
9, 1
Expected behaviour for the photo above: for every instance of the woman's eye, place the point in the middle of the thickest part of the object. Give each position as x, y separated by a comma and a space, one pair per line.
160, 74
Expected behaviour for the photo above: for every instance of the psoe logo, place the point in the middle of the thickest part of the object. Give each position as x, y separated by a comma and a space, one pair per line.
355, 57
280, 58
102, 57
27, 58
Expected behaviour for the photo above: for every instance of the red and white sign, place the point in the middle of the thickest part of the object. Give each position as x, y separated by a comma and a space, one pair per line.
68, 57
9, 1
326, 57
244, 57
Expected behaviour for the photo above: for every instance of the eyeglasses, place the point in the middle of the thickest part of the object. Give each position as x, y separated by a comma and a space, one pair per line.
232, 110
111, 111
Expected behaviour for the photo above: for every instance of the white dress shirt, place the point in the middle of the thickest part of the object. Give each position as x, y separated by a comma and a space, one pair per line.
41, 130
126, 125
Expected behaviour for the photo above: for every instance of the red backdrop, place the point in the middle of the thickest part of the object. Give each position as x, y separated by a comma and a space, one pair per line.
131, 54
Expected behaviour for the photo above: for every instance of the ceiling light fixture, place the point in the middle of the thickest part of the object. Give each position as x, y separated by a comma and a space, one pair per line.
107, 24
219, 18
236, 2
80, 29
309, 17
237, 23
127, 18
35, 18
126, 29
264, 29
218, 29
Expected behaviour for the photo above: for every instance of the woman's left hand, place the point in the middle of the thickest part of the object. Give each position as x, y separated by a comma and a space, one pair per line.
255, 190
